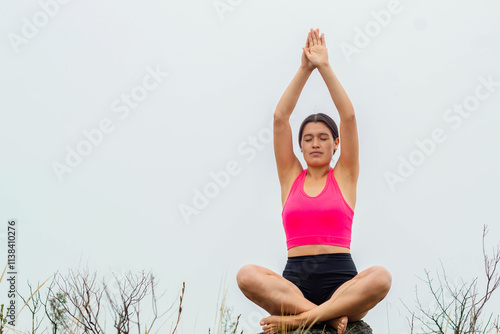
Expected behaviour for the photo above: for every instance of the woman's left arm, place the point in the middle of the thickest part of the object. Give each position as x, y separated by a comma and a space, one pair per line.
317, 53
348, 130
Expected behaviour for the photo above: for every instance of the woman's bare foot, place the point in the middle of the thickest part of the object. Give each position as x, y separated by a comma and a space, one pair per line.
340, 324
275, 323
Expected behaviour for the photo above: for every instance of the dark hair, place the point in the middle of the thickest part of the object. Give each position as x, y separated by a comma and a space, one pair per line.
319, 117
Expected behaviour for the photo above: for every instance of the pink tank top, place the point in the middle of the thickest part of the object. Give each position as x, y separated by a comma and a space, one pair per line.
325, 219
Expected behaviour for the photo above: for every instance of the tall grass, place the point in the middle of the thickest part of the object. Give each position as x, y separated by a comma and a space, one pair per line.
225, 321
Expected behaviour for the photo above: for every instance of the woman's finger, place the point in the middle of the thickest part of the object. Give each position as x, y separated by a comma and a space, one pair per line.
307, 52
315, 40
323, 39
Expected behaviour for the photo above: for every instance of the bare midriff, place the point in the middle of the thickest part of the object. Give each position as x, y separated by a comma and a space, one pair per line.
316, 249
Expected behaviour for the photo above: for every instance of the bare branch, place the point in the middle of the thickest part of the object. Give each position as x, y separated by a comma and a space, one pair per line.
35, 306
85, 299
463, 309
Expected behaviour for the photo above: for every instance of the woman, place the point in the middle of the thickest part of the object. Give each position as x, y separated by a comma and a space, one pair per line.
320, 282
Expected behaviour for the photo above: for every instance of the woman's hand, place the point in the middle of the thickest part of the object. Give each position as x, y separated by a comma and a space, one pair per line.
306, 63
315, 50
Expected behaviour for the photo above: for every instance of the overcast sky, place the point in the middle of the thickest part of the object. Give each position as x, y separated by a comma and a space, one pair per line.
136, 135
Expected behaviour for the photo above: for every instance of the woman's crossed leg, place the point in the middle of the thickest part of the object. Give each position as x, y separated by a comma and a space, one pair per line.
289, 308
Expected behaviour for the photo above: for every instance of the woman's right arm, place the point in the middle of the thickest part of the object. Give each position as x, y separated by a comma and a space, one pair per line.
288, 164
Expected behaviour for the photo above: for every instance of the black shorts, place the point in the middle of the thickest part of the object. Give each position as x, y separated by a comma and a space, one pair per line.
318, 276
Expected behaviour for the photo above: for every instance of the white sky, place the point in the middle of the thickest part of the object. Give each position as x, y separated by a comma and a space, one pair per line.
119, 207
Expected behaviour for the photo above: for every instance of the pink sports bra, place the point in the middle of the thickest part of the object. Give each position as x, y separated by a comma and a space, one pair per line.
322, 220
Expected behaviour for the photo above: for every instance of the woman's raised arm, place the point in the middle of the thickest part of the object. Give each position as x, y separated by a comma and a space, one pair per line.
349, 157
287, 163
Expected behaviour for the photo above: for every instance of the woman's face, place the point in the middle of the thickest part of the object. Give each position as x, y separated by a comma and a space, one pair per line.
317, 144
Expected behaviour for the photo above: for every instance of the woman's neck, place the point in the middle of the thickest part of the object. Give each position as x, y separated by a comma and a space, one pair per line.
318, 172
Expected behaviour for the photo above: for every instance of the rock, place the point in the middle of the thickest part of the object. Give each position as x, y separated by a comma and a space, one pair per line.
355, 327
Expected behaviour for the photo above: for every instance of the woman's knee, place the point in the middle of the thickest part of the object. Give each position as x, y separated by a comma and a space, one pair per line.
382, 279
247, 276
